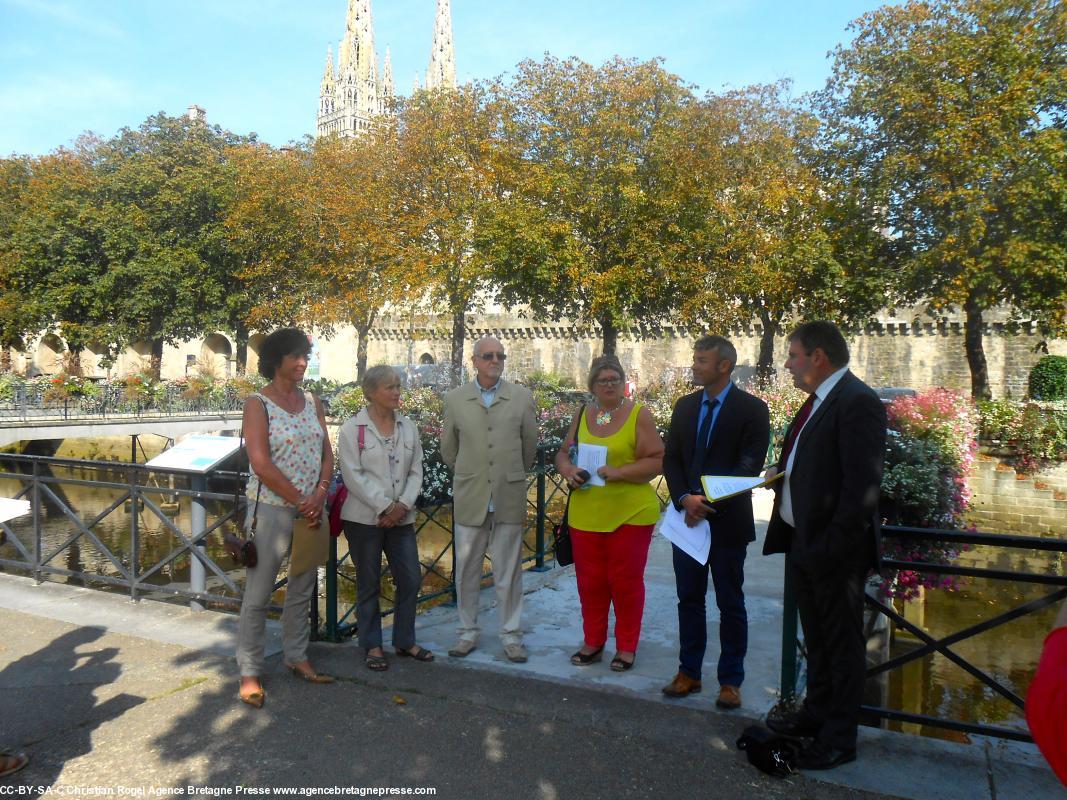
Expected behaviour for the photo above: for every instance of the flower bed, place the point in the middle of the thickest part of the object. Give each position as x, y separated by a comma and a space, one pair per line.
931, 447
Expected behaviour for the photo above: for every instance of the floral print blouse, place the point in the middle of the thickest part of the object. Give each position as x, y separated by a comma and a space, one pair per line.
295, 449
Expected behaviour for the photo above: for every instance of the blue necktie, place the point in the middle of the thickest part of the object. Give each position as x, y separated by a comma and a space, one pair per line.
696, 467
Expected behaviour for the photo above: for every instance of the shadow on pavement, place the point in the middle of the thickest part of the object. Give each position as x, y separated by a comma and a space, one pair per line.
48, 702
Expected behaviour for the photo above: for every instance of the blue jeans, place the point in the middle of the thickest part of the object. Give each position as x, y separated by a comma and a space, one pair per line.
727, 568
366, 543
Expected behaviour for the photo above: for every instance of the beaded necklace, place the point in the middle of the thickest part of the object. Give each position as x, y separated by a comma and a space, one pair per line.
603, 417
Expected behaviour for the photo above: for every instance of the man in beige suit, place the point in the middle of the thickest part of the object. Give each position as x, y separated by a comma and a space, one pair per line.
489, 441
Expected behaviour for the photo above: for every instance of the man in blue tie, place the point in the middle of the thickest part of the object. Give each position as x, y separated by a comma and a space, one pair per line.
719, 430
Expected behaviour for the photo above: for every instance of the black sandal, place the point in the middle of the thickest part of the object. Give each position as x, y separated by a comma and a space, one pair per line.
618, 665
423, 654
581, 659
376, 663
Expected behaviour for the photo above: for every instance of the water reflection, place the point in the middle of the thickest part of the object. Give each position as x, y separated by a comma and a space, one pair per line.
68, 548
934, 685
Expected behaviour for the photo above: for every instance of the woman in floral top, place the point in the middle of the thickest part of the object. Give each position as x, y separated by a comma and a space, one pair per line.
291, 461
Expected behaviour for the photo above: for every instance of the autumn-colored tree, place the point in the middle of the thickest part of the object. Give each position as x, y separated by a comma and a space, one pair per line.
265, 225
450, 186
360, 227
323, 232
772, 250
951, 116
595, 221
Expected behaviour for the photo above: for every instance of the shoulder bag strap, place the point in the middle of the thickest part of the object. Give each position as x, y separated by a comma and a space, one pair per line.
259, 481
578, 423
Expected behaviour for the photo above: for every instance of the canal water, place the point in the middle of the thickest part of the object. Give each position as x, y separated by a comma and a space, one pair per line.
931, 685
157, 541
934, 685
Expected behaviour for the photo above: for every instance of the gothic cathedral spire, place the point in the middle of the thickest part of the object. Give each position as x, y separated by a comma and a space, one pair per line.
442, 71
354, 99
351, 95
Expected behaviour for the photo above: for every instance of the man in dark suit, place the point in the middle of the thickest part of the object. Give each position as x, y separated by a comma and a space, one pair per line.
720, 430
826, 519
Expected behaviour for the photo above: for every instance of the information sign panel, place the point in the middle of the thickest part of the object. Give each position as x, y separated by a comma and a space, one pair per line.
199, 453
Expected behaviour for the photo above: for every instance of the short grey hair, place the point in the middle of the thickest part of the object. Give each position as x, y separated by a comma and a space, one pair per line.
488, 338
721, 345
376, 376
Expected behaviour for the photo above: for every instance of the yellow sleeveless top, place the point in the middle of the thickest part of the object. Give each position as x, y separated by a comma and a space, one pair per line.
605, 508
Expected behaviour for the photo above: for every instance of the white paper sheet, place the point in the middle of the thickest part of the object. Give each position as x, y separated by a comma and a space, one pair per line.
9, 509
695, 541
719, 487
591, 457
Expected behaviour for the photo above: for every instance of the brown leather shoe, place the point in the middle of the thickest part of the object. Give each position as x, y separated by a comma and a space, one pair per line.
681, 686
729, 697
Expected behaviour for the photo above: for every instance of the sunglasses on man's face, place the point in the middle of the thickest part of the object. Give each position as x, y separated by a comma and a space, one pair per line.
491, 356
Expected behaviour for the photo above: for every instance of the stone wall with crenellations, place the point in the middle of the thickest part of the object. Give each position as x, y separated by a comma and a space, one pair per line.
896, 350
890, 352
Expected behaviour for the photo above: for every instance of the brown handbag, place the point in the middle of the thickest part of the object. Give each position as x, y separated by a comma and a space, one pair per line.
242, 549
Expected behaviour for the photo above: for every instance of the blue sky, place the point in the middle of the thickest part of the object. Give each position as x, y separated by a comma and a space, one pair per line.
67, 66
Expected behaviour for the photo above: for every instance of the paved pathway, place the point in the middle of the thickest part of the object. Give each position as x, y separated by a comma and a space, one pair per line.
105, 693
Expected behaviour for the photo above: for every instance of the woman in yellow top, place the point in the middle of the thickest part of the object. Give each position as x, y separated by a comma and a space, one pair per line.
611, 524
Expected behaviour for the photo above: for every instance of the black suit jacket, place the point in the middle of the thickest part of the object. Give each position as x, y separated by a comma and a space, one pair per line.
738, 446
835, 483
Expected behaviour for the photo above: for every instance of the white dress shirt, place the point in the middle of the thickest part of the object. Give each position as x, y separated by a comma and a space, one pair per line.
785, 509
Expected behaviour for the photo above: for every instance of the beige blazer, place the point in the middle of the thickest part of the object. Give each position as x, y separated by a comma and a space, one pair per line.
489, 451
371, 488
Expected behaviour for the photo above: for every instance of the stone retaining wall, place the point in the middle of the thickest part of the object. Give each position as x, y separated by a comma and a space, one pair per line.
1006, 502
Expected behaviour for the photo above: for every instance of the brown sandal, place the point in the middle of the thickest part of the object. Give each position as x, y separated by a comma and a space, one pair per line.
11, 762
253, 698
376, 663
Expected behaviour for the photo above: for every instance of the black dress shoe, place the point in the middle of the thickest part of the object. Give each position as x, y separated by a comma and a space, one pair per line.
796, 723
819, 755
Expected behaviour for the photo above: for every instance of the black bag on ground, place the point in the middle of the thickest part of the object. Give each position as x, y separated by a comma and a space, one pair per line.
768, 751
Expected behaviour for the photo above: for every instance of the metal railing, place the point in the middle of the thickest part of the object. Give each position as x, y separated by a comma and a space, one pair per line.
33, 404
127, 563
792, 647
128, 566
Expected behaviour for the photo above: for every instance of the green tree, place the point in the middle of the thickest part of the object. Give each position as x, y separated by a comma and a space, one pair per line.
949, 118
593, 226
56, 260
165, 189
15, 323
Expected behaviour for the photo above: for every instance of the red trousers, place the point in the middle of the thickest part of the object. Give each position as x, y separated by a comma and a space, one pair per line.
610, 568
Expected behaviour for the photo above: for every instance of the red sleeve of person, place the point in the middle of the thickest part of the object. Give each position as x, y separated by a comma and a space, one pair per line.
1046, 703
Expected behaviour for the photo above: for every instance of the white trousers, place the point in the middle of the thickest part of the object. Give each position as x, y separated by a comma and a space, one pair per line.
503, 541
